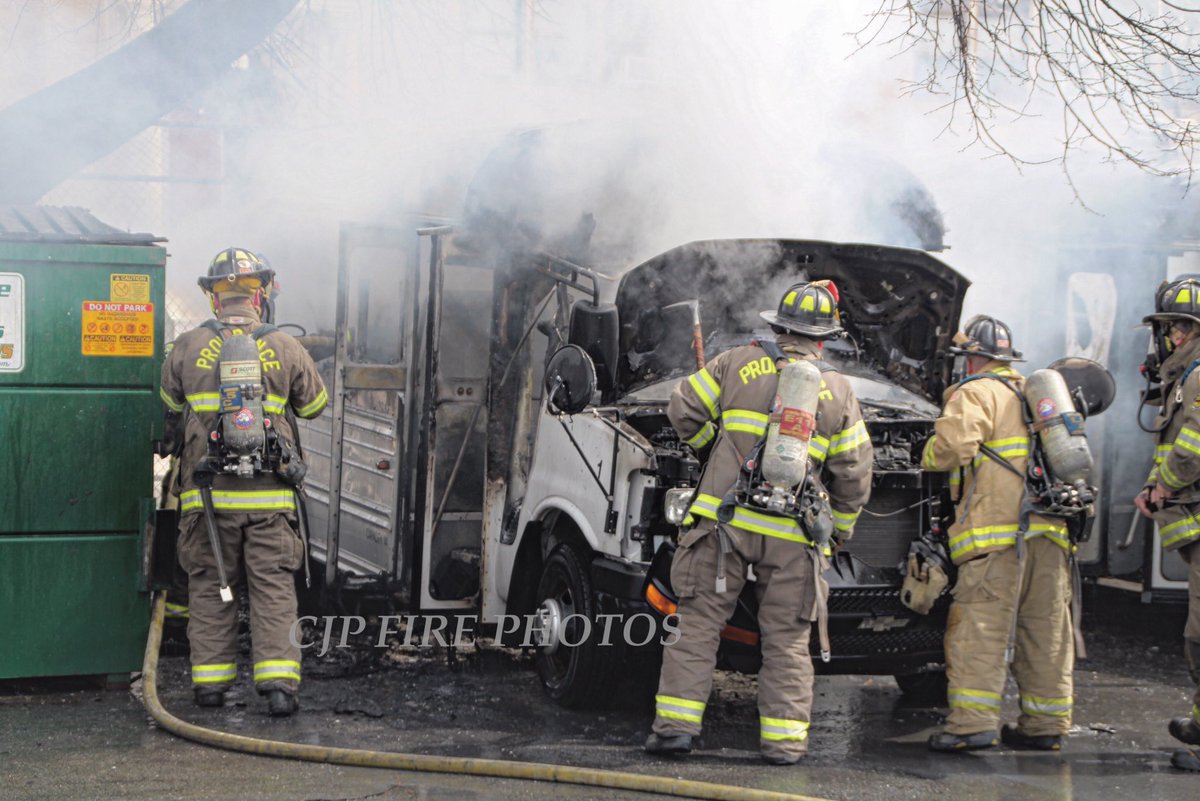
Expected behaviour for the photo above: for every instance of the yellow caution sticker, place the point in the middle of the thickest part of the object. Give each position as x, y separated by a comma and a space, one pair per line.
117, 329
129, 288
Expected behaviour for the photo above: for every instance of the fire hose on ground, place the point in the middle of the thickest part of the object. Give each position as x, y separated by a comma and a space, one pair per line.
504, 769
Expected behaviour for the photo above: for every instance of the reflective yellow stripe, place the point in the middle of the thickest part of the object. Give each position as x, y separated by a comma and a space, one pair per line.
1009, 448
239, 500
927, 458
707, 389
818, 446
169, 401
1179, 531
274, 404
849, 439
982, 537
745, 421
1162, 452
276, 669
177, 610
703, 436
844, 521
214, 674
779, 729
982, 700
1167, 476
1049, 707
1055, 533
783, 528
205, 402
667, 706
311, 410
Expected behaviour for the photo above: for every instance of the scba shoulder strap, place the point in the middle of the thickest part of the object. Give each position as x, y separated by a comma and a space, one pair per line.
989, 452
772, 349
217, 327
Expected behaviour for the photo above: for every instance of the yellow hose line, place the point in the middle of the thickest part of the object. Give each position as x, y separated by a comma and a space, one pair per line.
504, 769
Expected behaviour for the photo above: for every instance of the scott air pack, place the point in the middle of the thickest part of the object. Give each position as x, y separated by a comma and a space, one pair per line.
241, 431
1054, 405
775, 478
243, 442
1059, 427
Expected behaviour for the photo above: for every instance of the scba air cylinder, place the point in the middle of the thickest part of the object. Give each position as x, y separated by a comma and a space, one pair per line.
791, 424
241, 396
1059, 426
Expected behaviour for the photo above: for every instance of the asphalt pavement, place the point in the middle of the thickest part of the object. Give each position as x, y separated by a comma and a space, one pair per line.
66, 739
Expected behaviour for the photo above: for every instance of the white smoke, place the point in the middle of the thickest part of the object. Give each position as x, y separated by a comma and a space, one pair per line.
750, 119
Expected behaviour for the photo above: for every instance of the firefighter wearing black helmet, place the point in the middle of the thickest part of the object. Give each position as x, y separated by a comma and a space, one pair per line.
1013, 594
724, 409
255, 513
1171, 495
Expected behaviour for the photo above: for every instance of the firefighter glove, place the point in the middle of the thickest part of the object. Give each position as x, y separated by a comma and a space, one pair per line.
924, 582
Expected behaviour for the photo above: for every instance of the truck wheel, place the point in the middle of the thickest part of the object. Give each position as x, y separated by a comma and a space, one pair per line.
570, 661
925, 688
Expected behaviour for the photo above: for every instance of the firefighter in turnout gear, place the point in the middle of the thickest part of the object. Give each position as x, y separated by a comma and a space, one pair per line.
724, 408
1172, 492
250, 512
1012, 599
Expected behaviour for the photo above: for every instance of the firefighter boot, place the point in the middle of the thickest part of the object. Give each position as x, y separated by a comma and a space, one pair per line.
950, 743
1185, 730
668, 744
779, 759
1015, 738
208, 696
281, 704
1186, 760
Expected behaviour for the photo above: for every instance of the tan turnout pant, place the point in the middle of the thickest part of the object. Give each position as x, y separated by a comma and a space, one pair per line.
265, 548
1191, 630
787, 606
989, 591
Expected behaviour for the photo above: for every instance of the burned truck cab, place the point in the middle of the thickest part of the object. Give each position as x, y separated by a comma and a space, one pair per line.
507, 455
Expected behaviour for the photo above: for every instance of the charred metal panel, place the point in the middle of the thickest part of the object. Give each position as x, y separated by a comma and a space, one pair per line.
899, 307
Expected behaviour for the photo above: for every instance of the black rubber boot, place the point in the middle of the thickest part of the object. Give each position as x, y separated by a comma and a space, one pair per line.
281, 704
1185, 730
1186, 760
208, 696
776, 759
1015, 738
669, 744
951, 743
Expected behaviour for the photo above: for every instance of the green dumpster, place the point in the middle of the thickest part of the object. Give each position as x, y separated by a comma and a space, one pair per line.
81, 330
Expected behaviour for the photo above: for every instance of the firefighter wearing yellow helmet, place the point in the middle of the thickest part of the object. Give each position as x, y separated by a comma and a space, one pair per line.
235, 380
1013, 594
725, 410
1171, 495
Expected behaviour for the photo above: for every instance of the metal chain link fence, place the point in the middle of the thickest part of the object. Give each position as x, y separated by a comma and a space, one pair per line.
182, 314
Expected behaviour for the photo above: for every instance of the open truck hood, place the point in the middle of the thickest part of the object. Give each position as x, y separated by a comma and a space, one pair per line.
900, 307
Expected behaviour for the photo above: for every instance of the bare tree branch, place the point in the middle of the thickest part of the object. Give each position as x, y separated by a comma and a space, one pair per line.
1126, 77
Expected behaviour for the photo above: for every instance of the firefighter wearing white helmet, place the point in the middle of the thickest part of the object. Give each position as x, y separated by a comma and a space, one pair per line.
236, 380
726, 410
1171, 495
1013, 594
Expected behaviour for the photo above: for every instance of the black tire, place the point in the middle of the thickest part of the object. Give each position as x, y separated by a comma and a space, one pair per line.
927, 688
572, 674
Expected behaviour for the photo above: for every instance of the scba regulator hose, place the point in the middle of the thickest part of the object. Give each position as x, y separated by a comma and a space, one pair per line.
532, 771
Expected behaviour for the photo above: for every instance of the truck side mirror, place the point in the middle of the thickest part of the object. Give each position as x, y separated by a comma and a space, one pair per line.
570, 380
